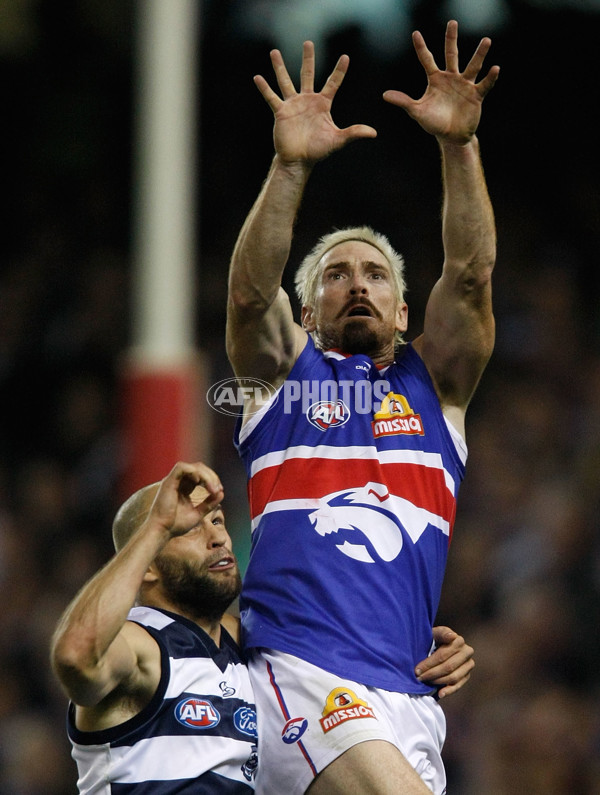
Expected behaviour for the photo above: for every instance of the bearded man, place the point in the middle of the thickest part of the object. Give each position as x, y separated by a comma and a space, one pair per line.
160, 696
355, 462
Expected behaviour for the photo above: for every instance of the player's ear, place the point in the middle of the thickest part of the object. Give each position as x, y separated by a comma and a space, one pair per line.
151, 574
402, 317
307, 316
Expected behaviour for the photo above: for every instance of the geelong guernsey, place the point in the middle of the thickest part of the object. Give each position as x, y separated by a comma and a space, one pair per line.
353, 475
197, 734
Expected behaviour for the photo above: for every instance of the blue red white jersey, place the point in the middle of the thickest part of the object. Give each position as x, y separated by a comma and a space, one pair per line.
197, 734
353, 475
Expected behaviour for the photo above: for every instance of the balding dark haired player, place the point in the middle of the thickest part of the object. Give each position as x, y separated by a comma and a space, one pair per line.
160, 697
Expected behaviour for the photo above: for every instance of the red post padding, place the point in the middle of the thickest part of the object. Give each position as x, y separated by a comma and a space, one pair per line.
163, 420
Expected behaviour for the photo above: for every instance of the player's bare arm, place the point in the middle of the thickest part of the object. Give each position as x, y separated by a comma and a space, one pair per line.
459, 327
262, 339
100, 658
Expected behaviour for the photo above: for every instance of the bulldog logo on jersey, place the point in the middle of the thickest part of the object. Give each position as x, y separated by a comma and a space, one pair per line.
343, 705
396, 417
197, 713
364, 520
361, 512
328, 414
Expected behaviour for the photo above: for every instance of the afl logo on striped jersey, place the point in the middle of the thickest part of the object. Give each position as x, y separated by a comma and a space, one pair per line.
197, 713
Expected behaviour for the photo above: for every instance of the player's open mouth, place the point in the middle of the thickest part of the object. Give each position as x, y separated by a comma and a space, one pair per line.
360, 311
223, 563
360, 307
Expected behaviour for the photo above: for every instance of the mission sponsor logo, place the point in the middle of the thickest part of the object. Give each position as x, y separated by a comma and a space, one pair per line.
343, 705
396, 417
293, 730
197, 713
244, 720
325, 414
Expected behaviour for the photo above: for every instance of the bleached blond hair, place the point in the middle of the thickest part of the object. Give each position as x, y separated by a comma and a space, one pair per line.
307, 275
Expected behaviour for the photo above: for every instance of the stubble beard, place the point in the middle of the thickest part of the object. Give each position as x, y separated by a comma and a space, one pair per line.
194, 591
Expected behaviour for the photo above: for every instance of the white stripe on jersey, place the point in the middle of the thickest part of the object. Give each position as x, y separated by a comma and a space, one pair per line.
157, 759
206, 678
459, 443
150, 617
415, 520
277, 457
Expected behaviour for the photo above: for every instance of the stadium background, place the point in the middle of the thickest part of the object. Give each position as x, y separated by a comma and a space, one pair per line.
523, 582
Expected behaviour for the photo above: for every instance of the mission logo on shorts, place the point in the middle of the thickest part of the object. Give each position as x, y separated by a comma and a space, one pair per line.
343, 705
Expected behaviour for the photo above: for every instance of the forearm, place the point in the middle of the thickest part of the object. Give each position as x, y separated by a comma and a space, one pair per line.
468, 227
94, 618
263, 245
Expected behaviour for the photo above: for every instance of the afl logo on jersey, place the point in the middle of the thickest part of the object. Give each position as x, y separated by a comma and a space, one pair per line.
328, 414
197, 713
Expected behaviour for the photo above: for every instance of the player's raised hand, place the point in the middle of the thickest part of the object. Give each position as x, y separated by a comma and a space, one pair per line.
304, 130
177, 505
450, 108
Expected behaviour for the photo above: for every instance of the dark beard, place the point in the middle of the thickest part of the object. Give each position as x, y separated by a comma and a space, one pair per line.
357, 337
195, 592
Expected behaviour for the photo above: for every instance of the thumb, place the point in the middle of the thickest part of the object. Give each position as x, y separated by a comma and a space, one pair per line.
443, 635
398, 98
356, 131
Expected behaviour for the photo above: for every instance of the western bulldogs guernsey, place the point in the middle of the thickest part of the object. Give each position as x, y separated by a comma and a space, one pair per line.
198, 733
353, 476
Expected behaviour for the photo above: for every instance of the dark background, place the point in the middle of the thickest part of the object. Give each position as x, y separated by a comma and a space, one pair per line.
523, 581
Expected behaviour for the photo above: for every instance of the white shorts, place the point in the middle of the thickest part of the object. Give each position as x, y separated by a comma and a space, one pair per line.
307, 717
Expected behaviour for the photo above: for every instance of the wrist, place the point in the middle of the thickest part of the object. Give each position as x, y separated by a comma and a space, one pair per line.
449, 146
293, 169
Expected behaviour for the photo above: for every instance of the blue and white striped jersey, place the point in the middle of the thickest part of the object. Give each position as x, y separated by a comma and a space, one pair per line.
197, 734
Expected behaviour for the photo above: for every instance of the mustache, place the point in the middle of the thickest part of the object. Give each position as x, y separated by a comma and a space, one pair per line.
353, 302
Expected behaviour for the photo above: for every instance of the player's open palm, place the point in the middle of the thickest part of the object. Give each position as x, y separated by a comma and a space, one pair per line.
450, 108
304, 130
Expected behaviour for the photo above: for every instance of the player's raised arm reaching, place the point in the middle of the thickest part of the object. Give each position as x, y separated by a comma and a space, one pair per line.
459, 326
262, 339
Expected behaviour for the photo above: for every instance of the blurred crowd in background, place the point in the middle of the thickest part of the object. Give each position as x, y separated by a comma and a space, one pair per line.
523, 581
